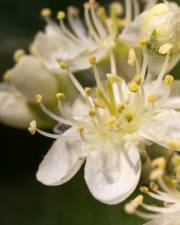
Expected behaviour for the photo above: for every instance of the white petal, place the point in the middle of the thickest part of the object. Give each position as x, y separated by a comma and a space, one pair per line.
14, 110
31, 78
162, 128
112, 174
165, 219
62, 160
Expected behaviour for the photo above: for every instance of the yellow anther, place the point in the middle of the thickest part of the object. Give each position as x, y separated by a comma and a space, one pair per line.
132, 206
116, 8
46, 12
111, 122
165, 48
144, 189
154, 187
174, 145
129, 117
92, 60
99, 103
32, 127
113, 78
63, 65
156, 174
92, 4
60, 96
61, 15
18, 54
131, 57
173, 183
133, 87
168, 79
143, 41
137, 79
120, 108
87, 5
80, 129
38, 98
92, 112
73, 10
88, 91
7, 77
152, 98
159, 162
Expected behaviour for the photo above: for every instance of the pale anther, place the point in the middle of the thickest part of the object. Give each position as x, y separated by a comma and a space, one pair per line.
38, 98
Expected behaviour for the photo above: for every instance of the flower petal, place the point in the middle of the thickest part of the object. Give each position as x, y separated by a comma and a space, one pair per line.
112, 174
31, 78
62, 161
165, 219
14, 110
162, 128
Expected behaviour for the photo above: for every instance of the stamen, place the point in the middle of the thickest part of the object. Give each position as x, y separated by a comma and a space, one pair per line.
50, 114
152, 98
144, 65
60, 96
32, 127
102, 32
88, 91
131, 207
89, 23
61, 15
18, 54
159, 162
144, 189
133, 87
168, 79
64, 66
165, 48
92, 61
156, 174
46, 12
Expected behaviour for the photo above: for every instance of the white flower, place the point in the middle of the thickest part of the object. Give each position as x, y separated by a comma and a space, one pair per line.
167, 194
154, 28
108, 130
97, 34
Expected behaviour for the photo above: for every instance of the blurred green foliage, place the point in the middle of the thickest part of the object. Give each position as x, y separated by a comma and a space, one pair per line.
23, 200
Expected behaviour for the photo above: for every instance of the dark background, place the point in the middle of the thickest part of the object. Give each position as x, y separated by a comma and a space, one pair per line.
24, 201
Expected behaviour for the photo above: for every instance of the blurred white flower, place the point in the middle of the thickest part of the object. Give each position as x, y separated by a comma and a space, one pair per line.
158, 26
167, 195
108, 129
